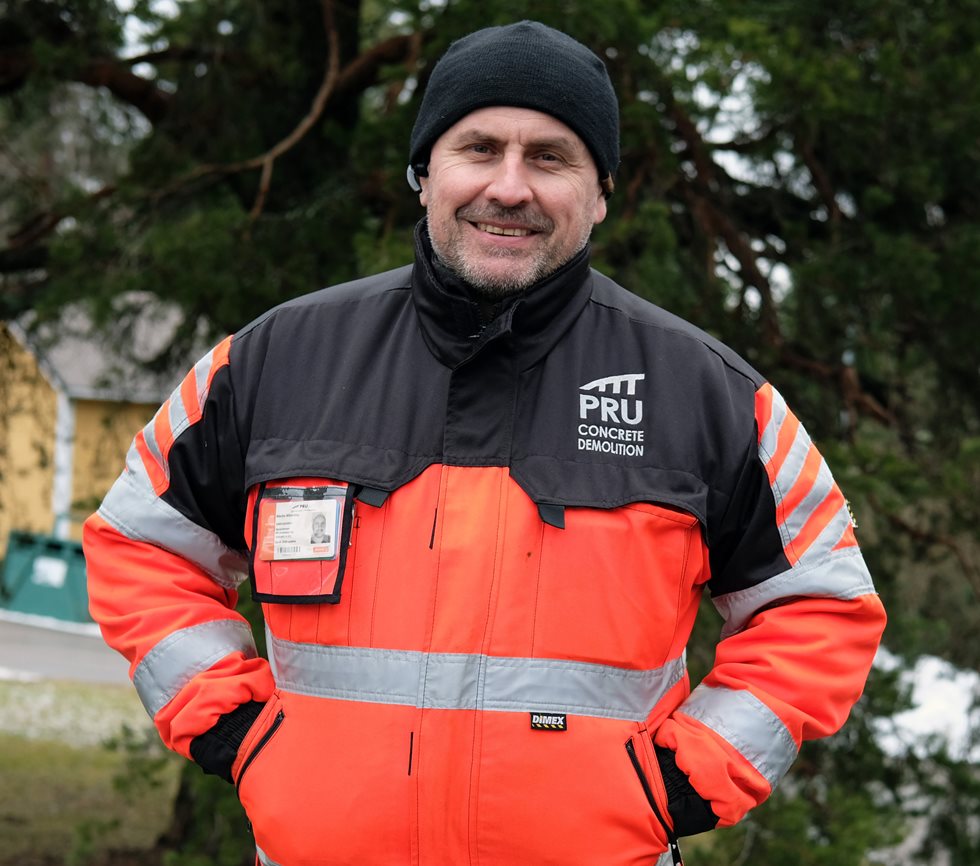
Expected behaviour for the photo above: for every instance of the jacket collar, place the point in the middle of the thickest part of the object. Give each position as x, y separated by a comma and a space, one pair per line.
534, 320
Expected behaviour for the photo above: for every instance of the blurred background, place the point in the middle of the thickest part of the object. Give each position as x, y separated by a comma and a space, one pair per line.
800, 179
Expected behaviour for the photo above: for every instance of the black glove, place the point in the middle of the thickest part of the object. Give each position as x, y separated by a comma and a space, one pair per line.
689, 811
214, 751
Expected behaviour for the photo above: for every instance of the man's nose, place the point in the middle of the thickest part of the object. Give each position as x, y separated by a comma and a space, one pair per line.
510, 185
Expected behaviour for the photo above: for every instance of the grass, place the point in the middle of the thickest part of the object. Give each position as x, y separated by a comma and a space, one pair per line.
81, 774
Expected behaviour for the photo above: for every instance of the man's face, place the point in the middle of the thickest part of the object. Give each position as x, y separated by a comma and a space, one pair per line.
512, 194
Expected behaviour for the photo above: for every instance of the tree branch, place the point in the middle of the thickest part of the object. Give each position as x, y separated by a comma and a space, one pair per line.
699, 196
42, 224
178, 53
847, 381
747, 144
266, 160
700, 156
25, 251
821, 180
37, 227
125, 85
970, 569
22, 252
17, 64
358, 75
362, 71
716, 223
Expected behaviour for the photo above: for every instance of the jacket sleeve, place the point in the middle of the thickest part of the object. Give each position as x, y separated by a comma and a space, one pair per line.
802, 623
165, 554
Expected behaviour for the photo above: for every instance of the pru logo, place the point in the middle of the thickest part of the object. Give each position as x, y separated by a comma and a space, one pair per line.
610, 412
616, 401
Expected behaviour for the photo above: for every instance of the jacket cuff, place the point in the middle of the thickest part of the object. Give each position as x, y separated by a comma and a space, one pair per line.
215, 750
689, 811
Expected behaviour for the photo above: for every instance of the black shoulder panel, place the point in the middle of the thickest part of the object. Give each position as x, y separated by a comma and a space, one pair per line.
635, 405
339, 383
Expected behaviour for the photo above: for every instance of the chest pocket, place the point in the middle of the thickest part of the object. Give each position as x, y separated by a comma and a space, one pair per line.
618, 586
300, 538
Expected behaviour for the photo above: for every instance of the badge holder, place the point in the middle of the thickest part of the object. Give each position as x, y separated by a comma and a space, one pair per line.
301, 536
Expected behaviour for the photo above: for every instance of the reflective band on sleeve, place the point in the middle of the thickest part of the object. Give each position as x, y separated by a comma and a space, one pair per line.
203, 371
134, 510
769, 426
177, 417
748, 724
466, 682
811, 514
150, 438
843, 574
183, 408
264, 858
183, 654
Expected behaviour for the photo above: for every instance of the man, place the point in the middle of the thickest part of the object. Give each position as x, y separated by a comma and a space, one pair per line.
318, 535
532, 475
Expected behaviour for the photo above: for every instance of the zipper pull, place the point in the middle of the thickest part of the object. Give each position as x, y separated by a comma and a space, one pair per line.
675, 852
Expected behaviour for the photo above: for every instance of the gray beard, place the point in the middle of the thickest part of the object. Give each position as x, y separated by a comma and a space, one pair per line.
487, 287
491, 287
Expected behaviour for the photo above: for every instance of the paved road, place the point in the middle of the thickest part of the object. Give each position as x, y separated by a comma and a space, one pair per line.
32, 651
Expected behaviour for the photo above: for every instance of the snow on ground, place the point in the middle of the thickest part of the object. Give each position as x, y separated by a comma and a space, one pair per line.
946, 708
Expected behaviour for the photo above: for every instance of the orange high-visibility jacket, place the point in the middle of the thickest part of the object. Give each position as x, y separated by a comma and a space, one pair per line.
480, 549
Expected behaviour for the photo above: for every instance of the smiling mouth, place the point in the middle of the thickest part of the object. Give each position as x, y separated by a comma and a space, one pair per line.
498, 230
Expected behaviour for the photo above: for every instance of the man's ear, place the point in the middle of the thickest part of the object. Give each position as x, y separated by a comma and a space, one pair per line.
600, 209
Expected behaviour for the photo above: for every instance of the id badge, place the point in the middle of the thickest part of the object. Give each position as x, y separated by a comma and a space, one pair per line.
300, 548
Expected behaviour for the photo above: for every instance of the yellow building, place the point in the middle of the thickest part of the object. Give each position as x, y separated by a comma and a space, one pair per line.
69, 407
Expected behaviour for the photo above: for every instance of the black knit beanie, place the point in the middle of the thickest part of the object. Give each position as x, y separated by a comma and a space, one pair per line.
525, 65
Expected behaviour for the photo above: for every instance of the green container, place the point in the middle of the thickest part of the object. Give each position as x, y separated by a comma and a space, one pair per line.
44, 576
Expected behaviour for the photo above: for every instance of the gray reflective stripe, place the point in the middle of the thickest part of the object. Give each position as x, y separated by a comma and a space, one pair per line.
768, 441
823, 545
201, 370
842, 575
787, 476
150, 437
665, 859
179, 417
823, 486
265, 859
769, 436
178, 413
792, 464
460, 681
132, 508
748, 724
185, 653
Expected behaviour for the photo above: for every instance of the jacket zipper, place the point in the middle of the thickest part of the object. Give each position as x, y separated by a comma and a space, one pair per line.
259, 746
675, 848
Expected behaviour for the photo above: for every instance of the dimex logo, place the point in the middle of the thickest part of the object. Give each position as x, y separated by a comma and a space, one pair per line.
611, 412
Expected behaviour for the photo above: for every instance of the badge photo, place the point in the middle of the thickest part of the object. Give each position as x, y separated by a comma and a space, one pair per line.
301, 535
